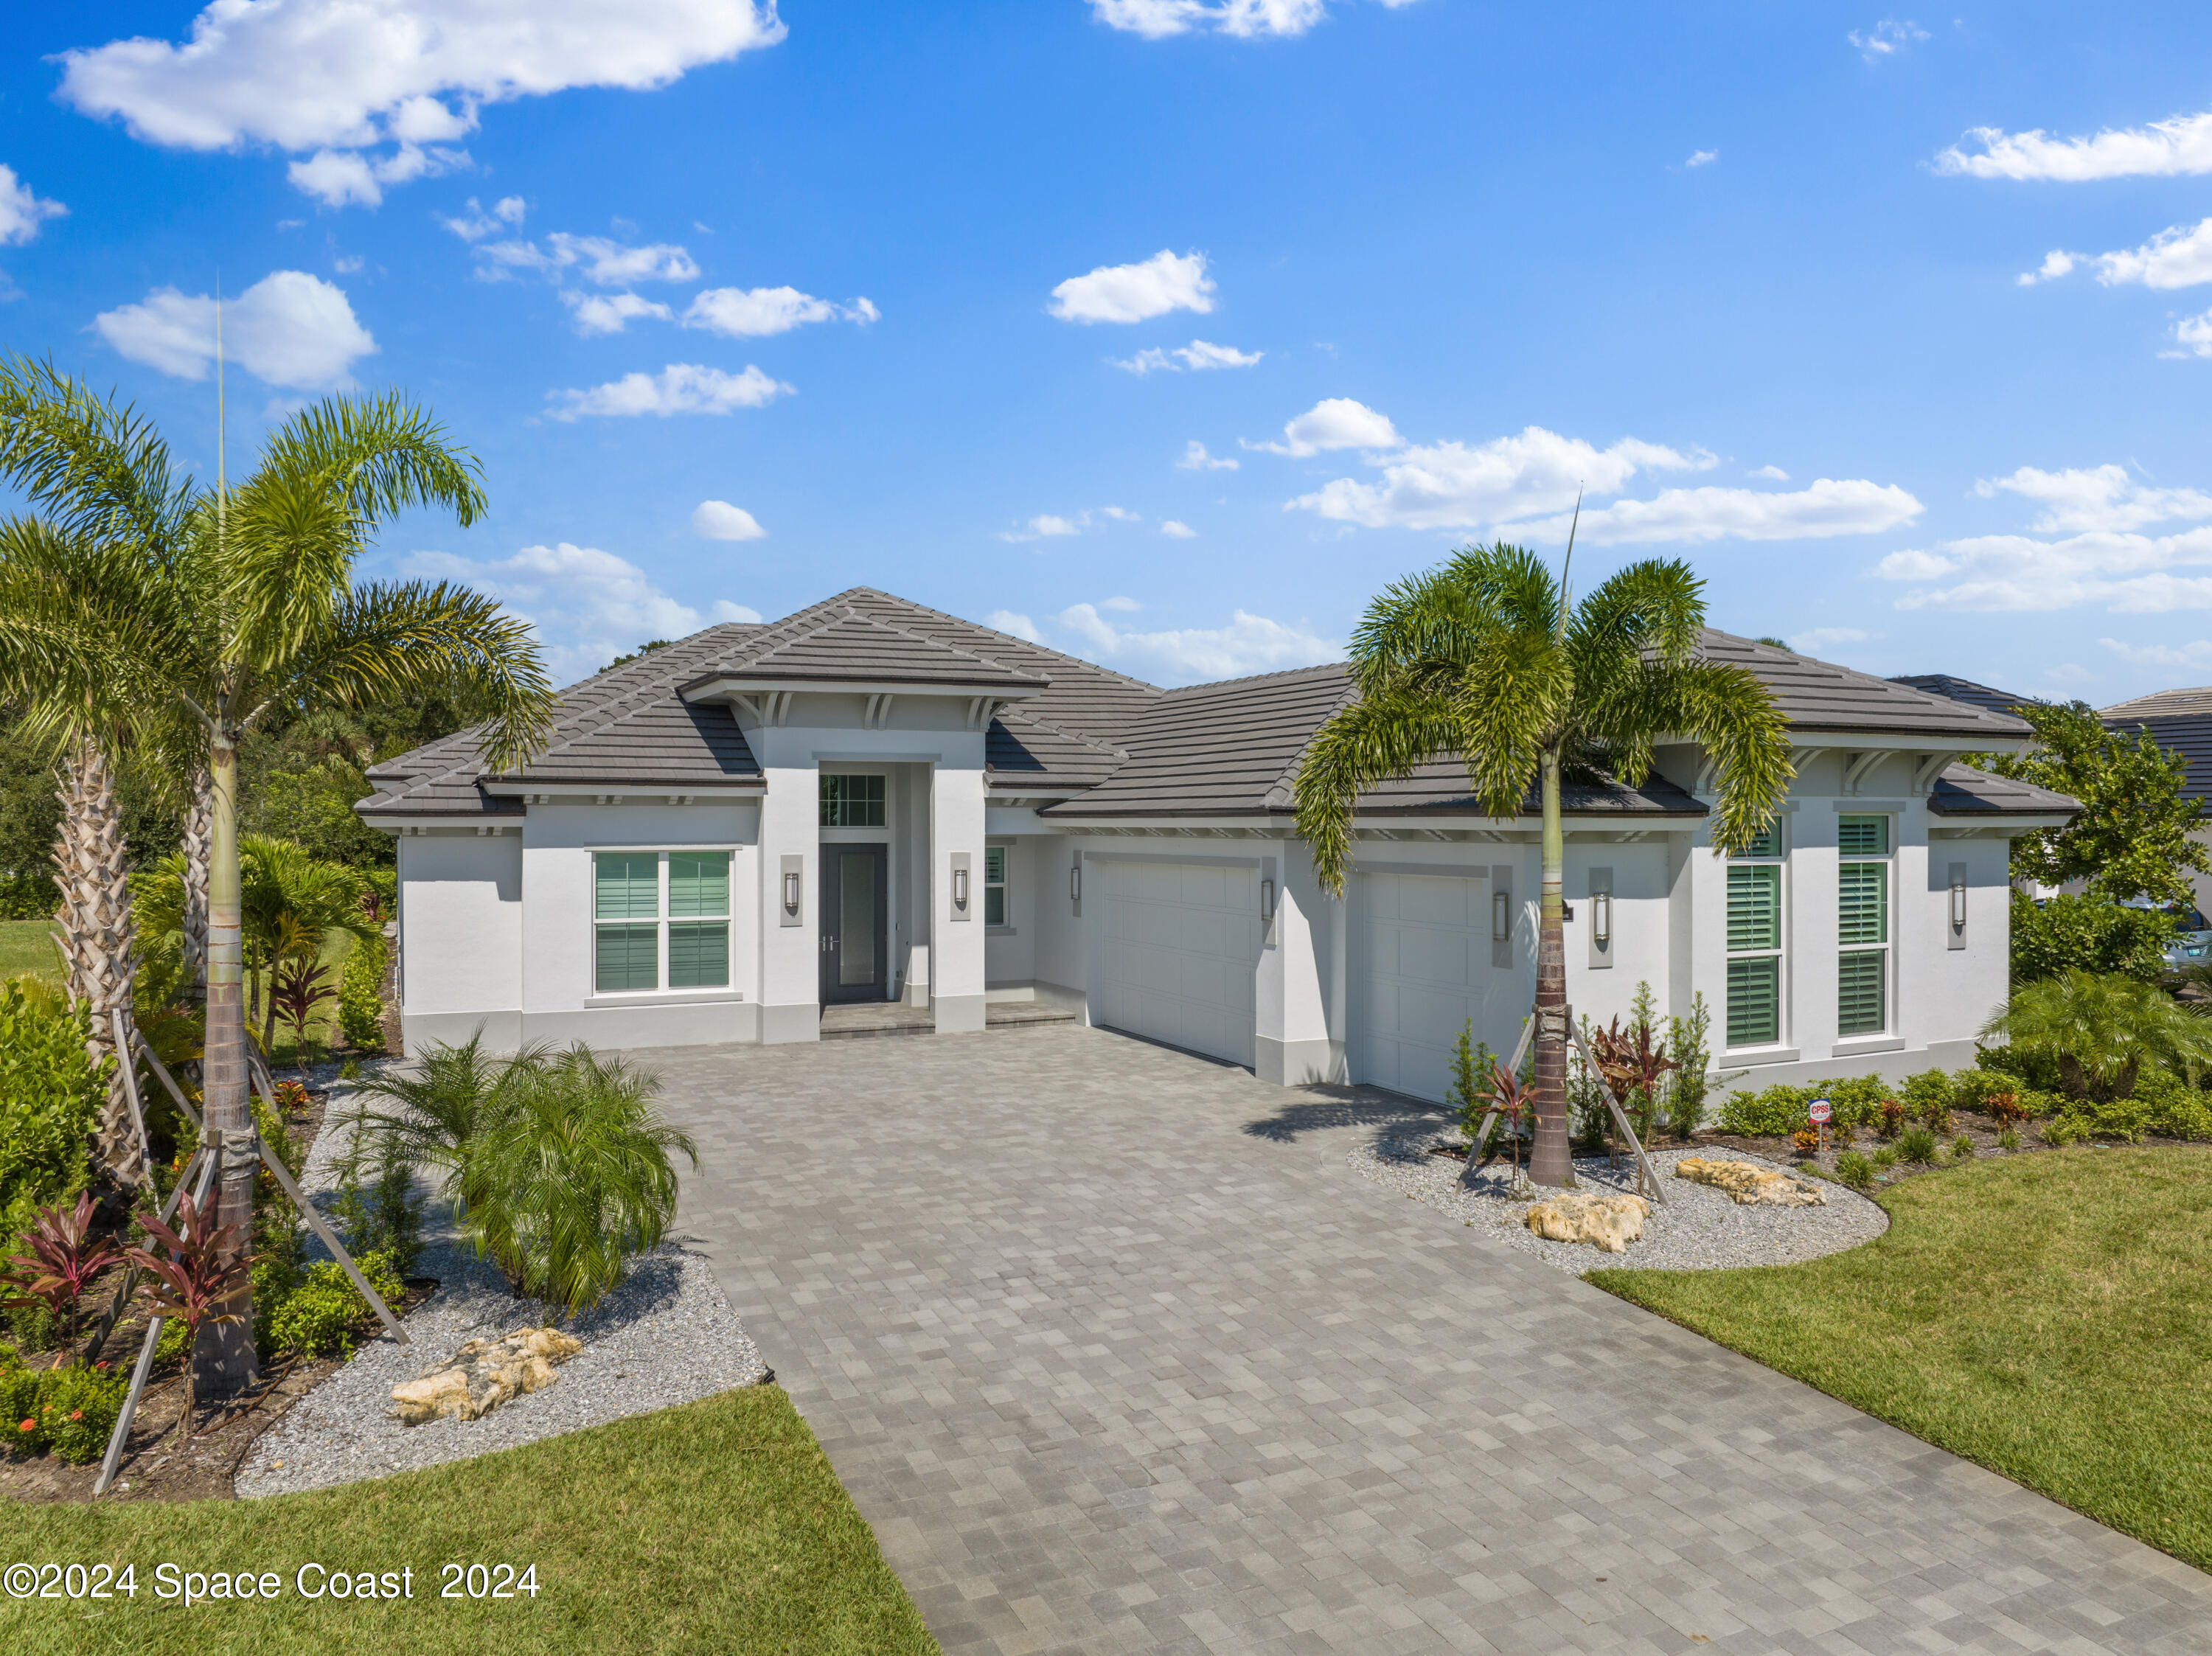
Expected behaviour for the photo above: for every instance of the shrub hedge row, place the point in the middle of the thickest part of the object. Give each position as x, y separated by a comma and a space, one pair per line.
2163, 1104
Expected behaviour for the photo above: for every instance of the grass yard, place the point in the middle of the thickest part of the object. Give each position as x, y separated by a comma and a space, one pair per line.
24, 948
2049, 1316
714, 1527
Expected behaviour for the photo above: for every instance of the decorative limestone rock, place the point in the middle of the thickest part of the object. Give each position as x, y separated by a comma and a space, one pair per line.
483, 1374
1611, 1222
1751, 1187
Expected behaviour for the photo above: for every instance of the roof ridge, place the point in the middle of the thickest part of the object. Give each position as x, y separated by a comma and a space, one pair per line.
1025, 644
1255, 678
1888, 686
1285, 791
1086, 739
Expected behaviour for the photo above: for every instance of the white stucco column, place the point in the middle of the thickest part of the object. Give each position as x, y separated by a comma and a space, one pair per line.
791, 944
956, 845
1293, 1045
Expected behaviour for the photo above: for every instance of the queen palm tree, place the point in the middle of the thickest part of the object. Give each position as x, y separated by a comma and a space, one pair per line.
1486, 660
203, 614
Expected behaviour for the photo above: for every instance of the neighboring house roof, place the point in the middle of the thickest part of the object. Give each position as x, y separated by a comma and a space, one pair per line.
2177, 720
1962, 791
1107, 744
1986, 697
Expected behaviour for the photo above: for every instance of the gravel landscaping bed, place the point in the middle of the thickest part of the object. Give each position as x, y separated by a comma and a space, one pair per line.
667, 1336
1699, 1228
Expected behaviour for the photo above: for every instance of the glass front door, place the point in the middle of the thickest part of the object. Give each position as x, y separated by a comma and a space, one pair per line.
855, 932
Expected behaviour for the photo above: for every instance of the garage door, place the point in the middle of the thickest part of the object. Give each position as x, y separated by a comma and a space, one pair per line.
1421, 969
1182, 941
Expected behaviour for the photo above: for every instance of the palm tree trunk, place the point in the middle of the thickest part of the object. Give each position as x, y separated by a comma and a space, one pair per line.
1550, 1159
223, 1356
94, 918
199, 826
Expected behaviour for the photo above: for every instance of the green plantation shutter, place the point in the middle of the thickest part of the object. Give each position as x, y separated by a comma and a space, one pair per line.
1768, 844
1858, 1001
1862, 836
698, 954
1863, 903
698, 883
1754, 1002
629, 958
626, 885
1754, 907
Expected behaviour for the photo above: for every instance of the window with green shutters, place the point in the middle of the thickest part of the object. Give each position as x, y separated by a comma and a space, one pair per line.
1863, 874
1755, 942
660, 919
994, 885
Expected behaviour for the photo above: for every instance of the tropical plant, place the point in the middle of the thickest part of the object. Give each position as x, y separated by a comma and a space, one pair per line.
1962, 1148
1633, 1062
50, 1096
1507, 1093
1487, 660
1855, 1170
360, 993
323, 1311
1915, 1144
1471, 1064
93, 926
1687, 1037
200, 615
1892, 1120
2100, 1029
64, 1258
555, 1163
197, 1269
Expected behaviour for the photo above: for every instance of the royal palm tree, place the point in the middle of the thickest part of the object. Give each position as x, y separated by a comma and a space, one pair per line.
1486, 660
208, 612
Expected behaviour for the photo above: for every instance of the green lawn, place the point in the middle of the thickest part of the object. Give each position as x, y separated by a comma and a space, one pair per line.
24, 948
2049, 1316
715, 1527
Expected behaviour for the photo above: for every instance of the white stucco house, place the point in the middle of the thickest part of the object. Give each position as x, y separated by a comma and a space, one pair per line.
868, 802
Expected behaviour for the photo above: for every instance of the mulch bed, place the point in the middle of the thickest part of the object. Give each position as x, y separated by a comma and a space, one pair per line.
156, 1465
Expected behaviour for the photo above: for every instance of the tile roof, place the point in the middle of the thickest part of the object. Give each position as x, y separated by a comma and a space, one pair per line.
1989, 700
2177, 720
1125, 747
1962, 791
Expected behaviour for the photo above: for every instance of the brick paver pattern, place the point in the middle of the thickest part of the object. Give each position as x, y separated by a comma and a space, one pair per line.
1116, 1353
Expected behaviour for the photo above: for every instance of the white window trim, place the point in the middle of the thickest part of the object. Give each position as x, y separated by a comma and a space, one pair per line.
1779, 954
1887, 946
595, 996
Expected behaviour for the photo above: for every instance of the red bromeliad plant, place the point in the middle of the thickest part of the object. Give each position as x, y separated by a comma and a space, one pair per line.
63, 1261
195, 1280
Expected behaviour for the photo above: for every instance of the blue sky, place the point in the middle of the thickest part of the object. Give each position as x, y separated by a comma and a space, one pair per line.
1170, 330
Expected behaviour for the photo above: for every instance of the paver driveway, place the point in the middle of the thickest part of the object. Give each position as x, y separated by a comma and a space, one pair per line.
1117, 1355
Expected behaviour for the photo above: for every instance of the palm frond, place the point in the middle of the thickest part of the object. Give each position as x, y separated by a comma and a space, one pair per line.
1374, 739
1732, 715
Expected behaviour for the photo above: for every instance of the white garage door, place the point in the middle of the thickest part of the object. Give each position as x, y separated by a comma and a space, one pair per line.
1421, 969
1181, 944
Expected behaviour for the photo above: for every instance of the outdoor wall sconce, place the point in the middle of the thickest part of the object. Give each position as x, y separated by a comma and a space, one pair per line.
791, 892
1959, 904
1601, 918
960, 888
1266, 903
1075, 884
1500, 921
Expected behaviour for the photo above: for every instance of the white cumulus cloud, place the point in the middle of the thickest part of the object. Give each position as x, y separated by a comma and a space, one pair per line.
752, 313
1772, 474
1332, 424
1176, 529
1458, 485
587, 605
350, 178
1825, 507
348, 76
289, 329
2086, 498
679, 388
1014, 625
1248, 643
1131, 293
1195, 458
1196, 356
2056, 264
506, 214
1886, 39
22, 213
595, 259
2180, 146
2193, 334
718, 521
2197, 653
1702, 158
1815, 640
1156, 20
599, 313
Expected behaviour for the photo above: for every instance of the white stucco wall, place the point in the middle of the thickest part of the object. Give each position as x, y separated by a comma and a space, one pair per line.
460, 906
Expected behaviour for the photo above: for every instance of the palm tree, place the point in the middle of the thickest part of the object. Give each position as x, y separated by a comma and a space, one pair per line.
2100, 1027
205, 613
1486, 660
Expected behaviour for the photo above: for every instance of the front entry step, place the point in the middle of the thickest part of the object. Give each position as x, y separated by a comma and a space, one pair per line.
866, 1020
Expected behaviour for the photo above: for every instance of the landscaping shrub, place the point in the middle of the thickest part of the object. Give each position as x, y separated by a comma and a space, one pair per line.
2173, 1108
70, 1412
556, 1164
1885, 1157
360, 993
1962, 1148
324, 1311
1930, 1090
1688, 1039
2103, 1032
2007, 1138
1855, 1170
1889, 1120
2086, 934
1916, 1144
50, 1100
1771, 1111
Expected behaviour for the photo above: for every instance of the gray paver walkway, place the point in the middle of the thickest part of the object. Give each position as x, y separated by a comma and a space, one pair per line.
1109, 1371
